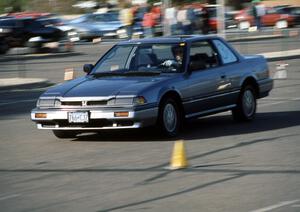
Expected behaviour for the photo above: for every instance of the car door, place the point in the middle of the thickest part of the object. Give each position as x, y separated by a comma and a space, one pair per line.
270, 17
202, 79
230, 74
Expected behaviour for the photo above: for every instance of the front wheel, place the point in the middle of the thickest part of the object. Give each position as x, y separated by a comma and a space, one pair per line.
282, 24
65, 133
244, 25
169, 117
246, 106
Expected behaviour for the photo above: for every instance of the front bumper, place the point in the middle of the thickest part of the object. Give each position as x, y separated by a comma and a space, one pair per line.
57, 119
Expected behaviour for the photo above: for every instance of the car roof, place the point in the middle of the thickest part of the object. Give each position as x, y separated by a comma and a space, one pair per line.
169, 39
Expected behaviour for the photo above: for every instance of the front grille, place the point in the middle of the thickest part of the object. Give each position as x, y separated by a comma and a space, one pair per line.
71, 103
96, 103
84, 103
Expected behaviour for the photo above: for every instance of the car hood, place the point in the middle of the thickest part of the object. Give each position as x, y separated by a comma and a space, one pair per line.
104, 86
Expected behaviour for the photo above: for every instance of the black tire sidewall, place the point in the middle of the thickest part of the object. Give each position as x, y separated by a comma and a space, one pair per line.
239, 112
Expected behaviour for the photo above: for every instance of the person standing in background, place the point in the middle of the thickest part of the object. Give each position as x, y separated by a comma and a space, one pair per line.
171, 20
157, 12
258, 11
126, 17
148, 23
191, 19
181, 18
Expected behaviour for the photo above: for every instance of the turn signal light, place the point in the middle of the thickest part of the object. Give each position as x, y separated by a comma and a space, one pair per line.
121, 114
41, 115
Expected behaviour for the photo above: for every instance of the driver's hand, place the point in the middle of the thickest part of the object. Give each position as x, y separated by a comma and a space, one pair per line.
168, 63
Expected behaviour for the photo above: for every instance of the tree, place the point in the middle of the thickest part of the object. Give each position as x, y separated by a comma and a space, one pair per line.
12, 5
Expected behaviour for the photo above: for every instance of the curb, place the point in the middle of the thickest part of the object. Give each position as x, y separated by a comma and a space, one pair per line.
290, 57
39, 56
30, 85
281, 55
255, 38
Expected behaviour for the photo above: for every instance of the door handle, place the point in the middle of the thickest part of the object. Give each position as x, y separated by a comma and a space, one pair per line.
223, 76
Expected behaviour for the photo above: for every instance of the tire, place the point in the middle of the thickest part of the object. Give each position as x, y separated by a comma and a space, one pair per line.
65, 133
246, 105
169, 118
281, 24
244, 25
3, 48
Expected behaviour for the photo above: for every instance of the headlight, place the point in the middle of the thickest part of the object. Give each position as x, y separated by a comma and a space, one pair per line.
120, 101
71, 33
48, 103
121, 31
140, 100
5, 30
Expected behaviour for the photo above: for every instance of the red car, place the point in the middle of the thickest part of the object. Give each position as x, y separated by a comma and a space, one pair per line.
28, 14
245, 19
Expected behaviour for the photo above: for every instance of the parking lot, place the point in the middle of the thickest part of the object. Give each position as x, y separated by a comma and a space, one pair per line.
232, 166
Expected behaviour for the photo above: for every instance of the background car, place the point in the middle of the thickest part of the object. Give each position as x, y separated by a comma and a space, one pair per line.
104, 25
230, 22
245, 19
29, 14
292, 11
22, 32
69, 32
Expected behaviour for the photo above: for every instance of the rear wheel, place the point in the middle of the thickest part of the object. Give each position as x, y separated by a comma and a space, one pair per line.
169, 117
246, 106
65, 133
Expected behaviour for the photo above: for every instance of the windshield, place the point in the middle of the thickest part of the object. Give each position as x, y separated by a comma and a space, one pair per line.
79, 19
9, 23
107, 17
142, 58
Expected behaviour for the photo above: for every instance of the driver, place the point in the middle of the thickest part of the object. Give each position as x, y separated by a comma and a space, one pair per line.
178, 53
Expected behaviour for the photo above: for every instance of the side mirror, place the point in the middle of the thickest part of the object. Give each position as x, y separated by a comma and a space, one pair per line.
87, 68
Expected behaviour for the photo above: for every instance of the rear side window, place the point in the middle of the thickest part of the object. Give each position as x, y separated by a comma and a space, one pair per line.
227, 56
202, 56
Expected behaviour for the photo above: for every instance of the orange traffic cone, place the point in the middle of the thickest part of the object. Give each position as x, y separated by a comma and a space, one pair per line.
178, 160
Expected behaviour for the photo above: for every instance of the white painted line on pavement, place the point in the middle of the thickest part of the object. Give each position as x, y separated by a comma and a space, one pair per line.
272, 207
9, 196
10, 103
277, 98
280, 102
295, 206
274, 103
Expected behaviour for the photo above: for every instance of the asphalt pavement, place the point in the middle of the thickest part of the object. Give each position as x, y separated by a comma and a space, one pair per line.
232, 166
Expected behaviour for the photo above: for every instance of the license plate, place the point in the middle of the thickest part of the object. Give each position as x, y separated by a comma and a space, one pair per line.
78, 117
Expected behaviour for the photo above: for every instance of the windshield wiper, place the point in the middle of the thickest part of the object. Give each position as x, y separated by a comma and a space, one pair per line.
106, 74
